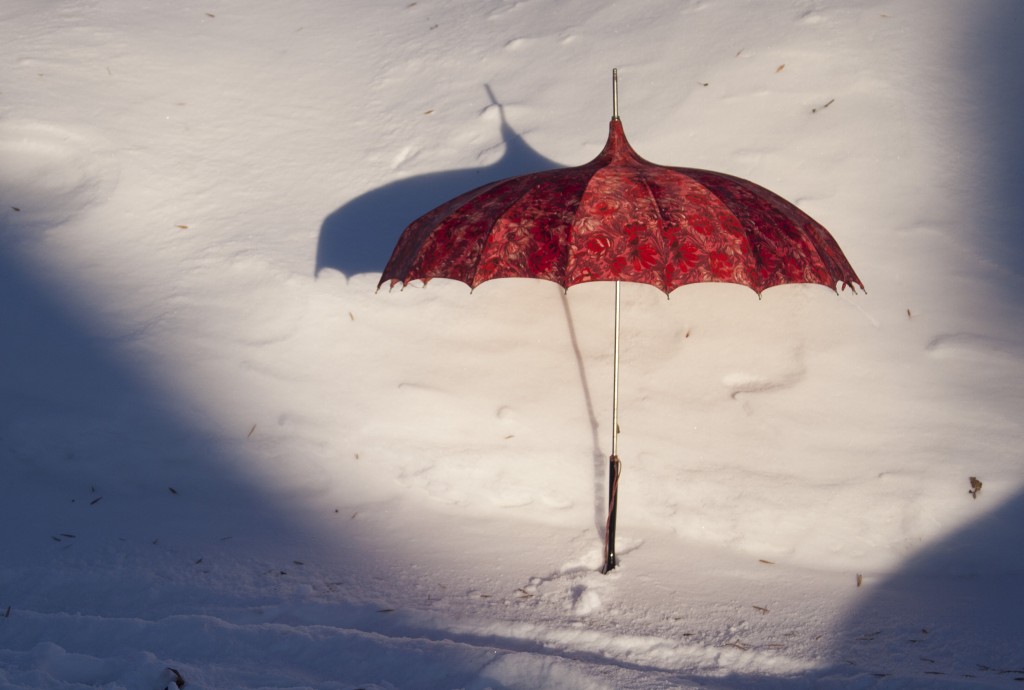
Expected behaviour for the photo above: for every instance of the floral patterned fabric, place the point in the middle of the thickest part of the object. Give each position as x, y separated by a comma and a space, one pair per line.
620, 217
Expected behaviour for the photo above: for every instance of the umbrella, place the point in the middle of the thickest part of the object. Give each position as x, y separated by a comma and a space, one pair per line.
620, 218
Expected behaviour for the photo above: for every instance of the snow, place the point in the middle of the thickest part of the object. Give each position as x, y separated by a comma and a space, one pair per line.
225, 453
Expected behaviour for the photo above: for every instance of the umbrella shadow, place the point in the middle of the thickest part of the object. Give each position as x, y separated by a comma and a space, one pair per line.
600, 461
359, 236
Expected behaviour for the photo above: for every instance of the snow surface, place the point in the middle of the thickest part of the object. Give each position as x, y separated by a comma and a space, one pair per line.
224, 453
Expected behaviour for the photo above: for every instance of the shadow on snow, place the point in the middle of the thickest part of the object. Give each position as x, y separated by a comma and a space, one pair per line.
999, 98
359, 236
102, 463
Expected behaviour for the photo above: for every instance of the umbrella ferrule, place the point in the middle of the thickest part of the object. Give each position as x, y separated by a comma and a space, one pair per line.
615, 93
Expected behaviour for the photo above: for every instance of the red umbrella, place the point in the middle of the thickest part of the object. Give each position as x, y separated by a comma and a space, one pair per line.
620, 218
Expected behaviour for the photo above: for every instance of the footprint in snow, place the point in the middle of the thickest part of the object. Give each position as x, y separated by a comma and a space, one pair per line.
584, 600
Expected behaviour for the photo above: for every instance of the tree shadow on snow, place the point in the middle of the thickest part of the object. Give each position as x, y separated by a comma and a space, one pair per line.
104, 462
998, 94
951, 616
953, 611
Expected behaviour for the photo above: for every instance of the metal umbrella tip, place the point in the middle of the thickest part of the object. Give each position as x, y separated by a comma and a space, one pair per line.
615, 93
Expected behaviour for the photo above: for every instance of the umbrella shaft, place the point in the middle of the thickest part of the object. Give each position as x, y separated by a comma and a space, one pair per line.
614, 466
615, 377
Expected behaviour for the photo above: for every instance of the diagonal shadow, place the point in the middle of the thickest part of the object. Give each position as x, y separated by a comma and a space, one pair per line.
99, 460
359, 236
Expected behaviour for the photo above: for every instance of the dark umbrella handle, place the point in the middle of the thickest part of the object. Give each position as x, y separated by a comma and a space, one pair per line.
614, 470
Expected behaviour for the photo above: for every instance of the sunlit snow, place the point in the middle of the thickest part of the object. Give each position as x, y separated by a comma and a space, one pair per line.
225, 453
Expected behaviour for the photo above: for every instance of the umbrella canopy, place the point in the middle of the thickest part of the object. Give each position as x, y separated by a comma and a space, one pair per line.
620, 218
